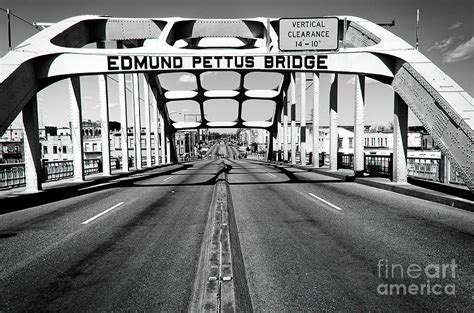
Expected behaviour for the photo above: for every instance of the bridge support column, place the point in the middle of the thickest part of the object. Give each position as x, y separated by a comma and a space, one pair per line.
333, 136
400, 138
122, 98
279, 138
168, 148
293, 118
75, 106
104, 124
303, 119
162, 140
32, 147
137, 122
156, 124
123, 121
315, 121
104, 119
270, 154
146, 99
359, 125
285, 129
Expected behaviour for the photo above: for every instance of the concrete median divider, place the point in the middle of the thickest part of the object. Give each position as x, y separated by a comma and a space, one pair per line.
220, 284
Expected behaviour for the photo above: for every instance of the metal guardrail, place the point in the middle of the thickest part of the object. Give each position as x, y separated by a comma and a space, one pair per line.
345, 160
56, 170
378, 165
92, 166
424, 168
12, 175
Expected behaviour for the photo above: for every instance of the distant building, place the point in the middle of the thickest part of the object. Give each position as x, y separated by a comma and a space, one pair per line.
11, 151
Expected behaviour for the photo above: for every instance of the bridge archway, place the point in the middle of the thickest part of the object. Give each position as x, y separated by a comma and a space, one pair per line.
166, 46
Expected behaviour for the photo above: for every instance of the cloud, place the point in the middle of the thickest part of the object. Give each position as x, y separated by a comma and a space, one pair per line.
442, 45
187, 78
190, 78
462, 52
455, 25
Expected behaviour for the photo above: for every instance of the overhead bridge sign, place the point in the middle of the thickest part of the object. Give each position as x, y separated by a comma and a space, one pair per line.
298, 34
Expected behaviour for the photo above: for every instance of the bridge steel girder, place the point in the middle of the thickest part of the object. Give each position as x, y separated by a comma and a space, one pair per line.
443, 107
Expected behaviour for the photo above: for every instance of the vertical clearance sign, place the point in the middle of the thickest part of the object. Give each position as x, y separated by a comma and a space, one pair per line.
299, 34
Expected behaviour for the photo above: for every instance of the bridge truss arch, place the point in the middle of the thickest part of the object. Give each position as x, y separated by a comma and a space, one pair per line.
162, 48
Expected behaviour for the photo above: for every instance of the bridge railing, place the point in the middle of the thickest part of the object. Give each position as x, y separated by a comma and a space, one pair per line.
56, 170
424, 168
345, 160
12, 175
92, 166
378, 165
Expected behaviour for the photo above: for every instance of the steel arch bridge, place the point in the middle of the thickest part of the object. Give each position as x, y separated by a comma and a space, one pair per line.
233, 50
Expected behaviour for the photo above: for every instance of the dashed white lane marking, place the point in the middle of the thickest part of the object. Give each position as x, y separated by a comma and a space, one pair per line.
102, 213
168, 178
270, 174
326, 202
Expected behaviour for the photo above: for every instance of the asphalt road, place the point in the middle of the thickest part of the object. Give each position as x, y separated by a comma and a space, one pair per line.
308, 243
313, 243
142, 255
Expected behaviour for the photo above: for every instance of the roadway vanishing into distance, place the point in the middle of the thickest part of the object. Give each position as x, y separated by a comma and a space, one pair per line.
308, 242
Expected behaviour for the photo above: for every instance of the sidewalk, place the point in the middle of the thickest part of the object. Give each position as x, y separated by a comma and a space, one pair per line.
18, 198
457, 196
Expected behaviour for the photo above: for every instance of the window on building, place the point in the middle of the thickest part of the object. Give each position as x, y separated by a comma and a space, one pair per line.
86, 147
143, 143
94, 147
64, 149
351, 143
339, 140
386, 142
55, 149
45, 149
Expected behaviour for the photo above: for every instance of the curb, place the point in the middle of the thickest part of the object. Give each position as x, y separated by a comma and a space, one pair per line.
22, 200
446, 200
455, 203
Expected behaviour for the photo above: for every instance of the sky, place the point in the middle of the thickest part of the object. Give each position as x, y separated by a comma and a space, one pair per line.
446, 38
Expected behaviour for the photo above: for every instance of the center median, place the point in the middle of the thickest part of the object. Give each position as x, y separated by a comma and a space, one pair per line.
221, 283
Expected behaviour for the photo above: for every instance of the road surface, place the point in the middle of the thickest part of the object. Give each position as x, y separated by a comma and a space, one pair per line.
308, 242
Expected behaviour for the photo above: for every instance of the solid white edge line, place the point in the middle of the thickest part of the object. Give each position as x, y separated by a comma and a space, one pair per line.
328, 203
166, 179
94, 186
102, 213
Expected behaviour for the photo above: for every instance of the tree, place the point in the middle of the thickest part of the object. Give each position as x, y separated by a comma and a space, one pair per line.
114, 126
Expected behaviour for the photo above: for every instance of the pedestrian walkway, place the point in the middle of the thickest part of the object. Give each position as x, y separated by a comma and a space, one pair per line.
18, 198
457, 196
